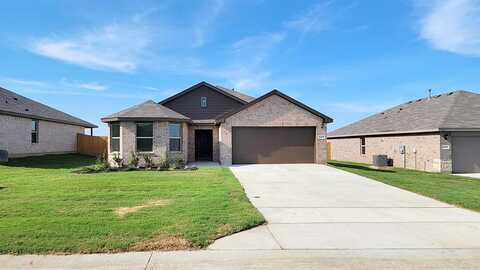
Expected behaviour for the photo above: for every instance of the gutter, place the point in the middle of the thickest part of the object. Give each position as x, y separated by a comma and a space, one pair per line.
383, 133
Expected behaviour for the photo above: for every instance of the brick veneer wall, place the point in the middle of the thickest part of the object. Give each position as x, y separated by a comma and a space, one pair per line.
160, 142
273, 111
54, 138
426, 158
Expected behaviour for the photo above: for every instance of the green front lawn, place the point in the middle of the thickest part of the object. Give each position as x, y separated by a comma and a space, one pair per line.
461, 191
47, 208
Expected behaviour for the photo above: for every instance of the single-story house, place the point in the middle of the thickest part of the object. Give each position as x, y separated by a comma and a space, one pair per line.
213, 123
30, 128
439, 133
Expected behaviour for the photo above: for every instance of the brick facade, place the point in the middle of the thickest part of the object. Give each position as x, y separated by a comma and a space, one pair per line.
422, 151
273, 111
160, 149
54, 138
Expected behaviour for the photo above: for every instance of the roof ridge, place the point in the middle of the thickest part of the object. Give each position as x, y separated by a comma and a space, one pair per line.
204, 83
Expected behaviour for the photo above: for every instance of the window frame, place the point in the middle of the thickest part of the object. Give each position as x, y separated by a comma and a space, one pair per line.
203, 102
363, 150
115, 138
35, 130
180, 138
136, 136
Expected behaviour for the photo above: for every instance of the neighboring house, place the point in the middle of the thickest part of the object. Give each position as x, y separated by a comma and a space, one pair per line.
439, 133
212, 123
30, 128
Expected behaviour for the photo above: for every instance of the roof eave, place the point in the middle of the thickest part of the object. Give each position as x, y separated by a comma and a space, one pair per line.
459, 129
118, 119
203, 83
327, 119
32, 116
382, 133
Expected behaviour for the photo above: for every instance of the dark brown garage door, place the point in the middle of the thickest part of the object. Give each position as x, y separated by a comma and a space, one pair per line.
269, 145
466, 154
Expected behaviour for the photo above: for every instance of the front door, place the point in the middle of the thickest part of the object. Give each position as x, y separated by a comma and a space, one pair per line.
203, 145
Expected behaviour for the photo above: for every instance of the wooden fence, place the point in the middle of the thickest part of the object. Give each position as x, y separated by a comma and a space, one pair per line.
91, 145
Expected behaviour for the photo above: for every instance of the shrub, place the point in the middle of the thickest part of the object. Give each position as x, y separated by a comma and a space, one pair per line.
148, 161
180, 164
118, 160
134, 160
164, 165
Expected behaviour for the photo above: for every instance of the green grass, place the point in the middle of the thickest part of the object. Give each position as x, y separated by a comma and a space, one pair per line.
460, 191
47, 208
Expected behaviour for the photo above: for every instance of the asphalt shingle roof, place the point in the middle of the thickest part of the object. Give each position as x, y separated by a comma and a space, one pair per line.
453, 110
146, 110
14, 104
237, 94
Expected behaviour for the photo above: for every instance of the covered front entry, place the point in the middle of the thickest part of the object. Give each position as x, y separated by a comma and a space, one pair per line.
273, 145
466, 154
203, 145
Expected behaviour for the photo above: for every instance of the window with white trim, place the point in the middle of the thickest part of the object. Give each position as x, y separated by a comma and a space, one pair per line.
115, 137
175, 137
144, 137
203, 102
34, 131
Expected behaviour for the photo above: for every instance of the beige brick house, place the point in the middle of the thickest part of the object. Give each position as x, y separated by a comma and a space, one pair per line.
30, 128
439, 133
213, 123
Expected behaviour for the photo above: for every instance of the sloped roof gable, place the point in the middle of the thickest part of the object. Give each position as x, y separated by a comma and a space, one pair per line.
17, 105
453, 110
240, 97
278, 93
149, 110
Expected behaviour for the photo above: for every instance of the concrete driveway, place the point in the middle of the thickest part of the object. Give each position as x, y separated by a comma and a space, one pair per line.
311, 206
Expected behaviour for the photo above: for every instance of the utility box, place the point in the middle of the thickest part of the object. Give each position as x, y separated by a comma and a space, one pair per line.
380, 160
3, 156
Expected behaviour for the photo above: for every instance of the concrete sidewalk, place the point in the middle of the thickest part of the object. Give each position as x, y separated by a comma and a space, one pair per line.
259, 259
312, 207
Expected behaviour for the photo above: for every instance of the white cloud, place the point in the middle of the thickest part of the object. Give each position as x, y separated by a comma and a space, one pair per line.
65, 88
313, 20
254, 49
22, 82
93, 86
204, 24
246, 69
115, 47
453, 26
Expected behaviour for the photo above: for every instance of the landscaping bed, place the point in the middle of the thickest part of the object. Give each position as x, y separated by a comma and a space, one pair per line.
47, 208
456, 190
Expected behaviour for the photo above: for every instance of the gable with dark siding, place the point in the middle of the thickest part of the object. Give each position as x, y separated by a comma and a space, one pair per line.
189, 104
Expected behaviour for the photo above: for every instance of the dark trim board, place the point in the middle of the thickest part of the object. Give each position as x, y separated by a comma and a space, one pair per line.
199, 85
280, 94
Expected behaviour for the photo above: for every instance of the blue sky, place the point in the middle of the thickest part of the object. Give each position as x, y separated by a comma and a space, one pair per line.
347, 59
